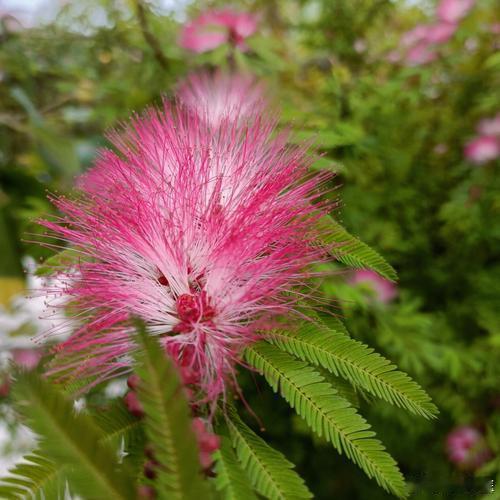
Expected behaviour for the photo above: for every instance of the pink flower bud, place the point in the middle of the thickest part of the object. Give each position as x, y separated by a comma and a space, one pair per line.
198, 427
133, 381
414, 36
149, 452
206, 459
5, 387
133, 404
145, 492
149, 469
207, 442
189, 376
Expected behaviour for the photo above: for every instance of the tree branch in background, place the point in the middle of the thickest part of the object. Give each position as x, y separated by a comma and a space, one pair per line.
151, 40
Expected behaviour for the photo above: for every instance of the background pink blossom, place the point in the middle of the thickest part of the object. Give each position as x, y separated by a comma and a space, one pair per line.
482, 149
452, 11
384, 290
466, 447
214, 28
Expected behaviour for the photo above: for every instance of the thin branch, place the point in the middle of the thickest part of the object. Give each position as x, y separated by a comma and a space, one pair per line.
151, 40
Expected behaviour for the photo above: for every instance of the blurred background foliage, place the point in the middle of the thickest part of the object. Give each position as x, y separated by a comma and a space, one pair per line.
395, 134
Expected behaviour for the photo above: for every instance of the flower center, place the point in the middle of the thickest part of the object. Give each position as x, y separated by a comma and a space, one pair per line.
188, 308
191, 309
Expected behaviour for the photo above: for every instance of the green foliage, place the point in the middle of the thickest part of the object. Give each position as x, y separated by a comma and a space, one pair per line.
167, 423
42, 478
268, 470
73, 441
230, 478
36, 477
118, 424
327, 413
9, 265
316, 343
81, 450
351, 251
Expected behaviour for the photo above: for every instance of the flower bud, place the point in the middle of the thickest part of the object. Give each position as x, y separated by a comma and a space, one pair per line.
150, 469
133, 404
133, 381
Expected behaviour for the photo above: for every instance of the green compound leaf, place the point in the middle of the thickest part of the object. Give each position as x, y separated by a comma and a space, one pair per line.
231, 481
72, 440
39, 478
327, 413
352, 251
35, 477
117, 422
269, 471
343, 356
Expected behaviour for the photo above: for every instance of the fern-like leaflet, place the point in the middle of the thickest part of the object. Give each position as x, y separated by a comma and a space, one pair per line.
351, 251
327, 413
270, 473
230, 479
343, 356
34, 477
72, 441
38, 477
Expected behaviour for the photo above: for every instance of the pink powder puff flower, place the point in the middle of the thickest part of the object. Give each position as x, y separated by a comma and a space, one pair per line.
452, 11
203, 235
466, 447
482, 149
490, 126
441, 32
384, 290
214, 28
221, 97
